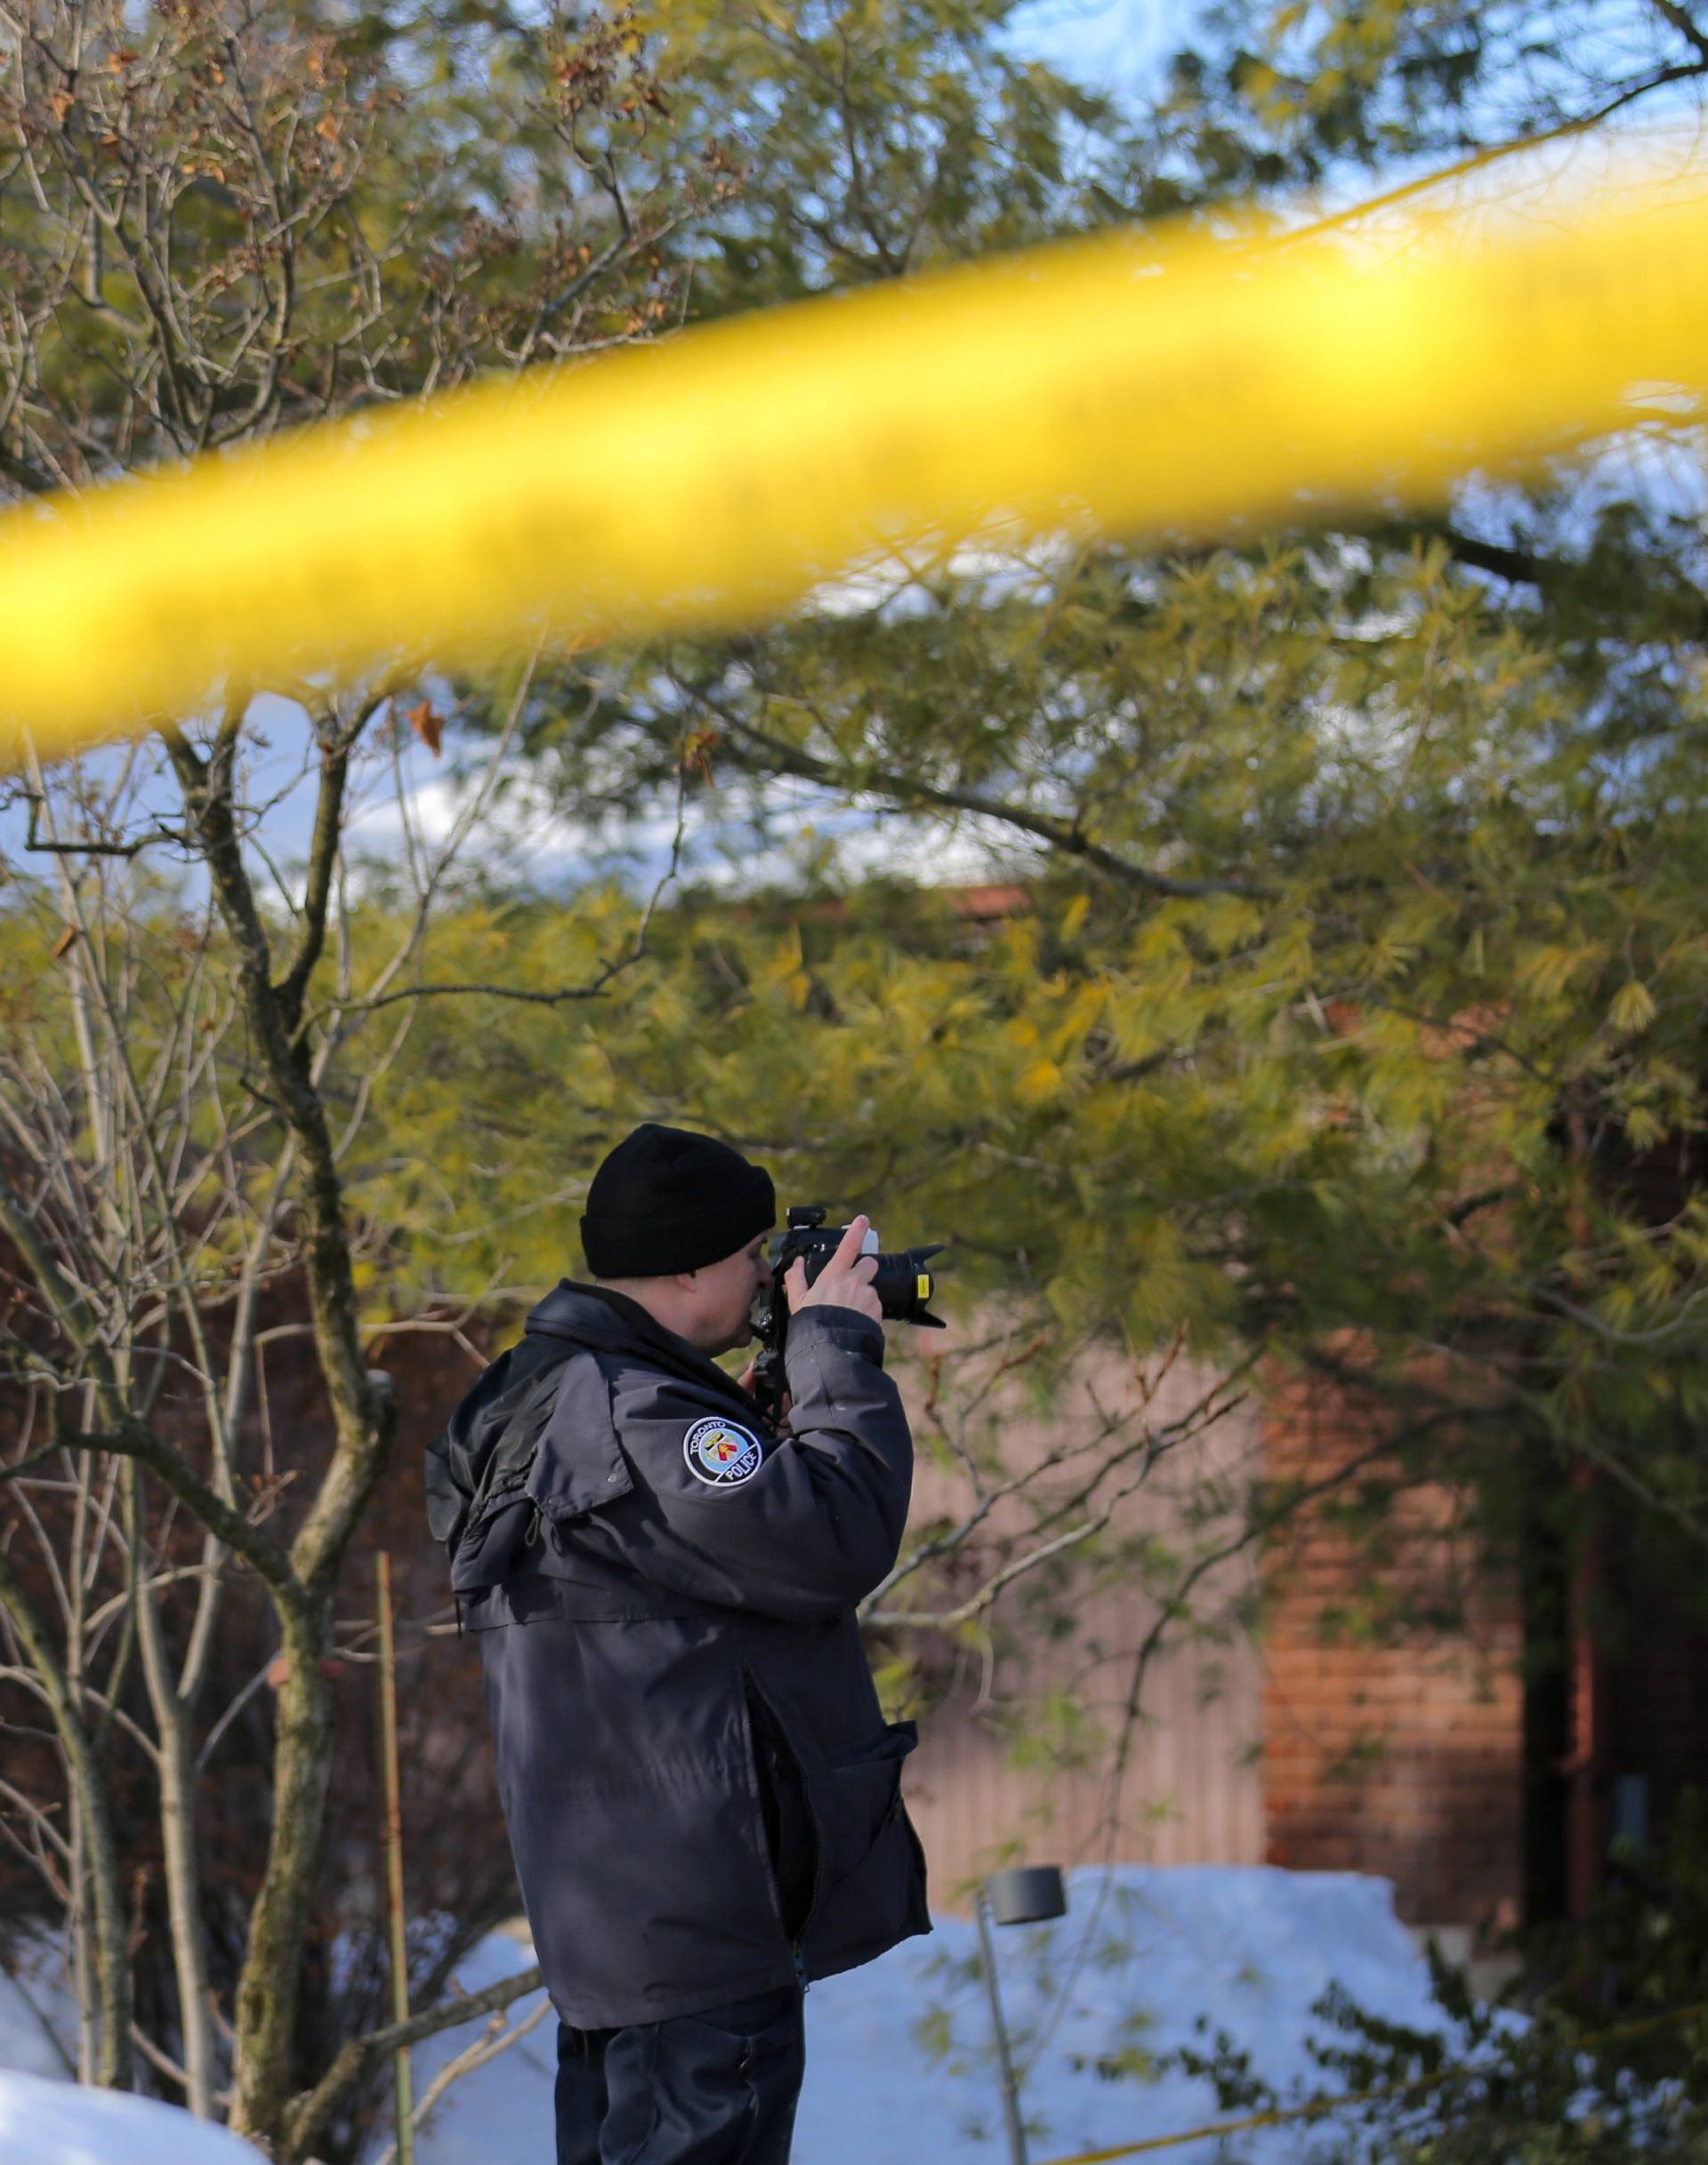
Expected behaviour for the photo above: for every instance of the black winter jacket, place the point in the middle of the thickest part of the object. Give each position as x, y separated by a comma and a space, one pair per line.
704, 1799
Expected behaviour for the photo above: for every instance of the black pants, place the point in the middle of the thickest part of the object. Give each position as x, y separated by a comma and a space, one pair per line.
714, 2089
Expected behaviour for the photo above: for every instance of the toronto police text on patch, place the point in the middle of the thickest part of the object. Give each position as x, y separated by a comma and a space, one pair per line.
721, 1453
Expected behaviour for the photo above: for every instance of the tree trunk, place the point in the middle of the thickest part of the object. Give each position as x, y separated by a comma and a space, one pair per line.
113, 2061
178, 1836
268, 1987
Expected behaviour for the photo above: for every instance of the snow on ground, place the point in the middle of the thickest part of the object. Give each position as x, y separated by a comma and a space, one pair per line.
44, 2122
899, 2066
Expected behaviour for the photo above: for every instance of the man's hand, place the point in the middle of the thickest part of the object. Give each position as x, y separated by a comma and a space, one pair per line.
845, 1282
745, 1381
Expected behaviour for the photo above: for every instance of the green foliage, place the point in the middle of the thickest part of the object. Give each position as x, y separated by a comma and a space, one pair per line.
1319, 89
874, 138
1372, 1040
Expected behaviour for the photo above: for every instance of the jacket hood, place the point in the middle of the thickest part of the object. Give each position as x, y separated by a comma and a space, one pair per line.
597, 1319
483, 1454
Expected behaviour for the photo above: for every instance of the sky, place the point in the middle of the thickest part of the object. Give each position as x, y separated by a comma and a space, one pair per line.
1107, 45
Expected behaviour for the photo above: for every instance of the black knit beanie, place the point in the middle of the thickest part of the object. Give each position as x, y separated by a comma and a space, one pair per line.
666, 1201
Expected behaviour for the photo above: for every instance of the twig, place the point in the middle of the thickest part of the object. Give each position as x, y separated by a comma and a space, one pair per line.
497, 2038
308, 2112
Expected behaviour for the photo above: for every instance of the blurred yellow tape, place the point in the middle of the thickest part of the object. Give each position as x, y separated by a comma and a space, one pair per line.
1142, 383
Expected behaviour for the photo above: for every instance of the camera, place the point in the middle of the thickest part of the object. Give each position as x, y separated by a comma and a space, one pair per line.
903, 1284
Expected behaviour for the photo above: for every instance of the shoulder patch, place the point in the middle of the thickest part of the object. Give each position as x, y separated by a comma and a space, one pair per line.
721, 1453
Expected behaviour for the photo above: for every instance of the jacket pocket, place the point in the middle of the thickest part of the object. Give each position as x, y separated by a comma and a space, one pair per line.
867, 1789
875, 1892
793, 1841
853, 1792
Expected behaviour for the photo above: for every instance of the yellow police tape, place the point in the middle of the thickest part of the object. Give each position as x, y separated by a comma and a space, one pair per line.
1318, 2107
1140, 384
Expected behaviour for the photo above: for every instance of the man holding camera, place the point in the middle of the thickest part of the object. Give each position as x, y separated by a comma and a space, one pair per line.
703, 1796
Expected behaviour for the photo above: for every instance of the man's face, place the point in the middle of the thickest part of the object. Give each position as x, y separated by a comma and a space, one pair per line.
724, 1294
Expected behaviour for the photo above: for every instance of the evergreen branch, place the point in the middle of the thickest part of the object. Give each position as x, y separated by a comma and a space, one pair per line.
1684, 24
1488, 154
767, 753
1521, 567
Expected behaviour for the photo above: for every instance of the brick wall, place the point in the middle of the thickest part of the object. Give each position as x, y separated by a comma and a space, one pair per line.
1387, 1747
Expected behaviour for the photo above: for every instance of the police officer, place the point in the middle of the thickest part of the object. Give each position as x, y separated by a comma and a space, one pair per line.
703, 1796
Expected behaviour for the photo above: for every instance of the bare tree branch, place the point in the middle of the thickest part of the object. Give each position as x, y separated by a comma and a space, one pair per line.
309, 2113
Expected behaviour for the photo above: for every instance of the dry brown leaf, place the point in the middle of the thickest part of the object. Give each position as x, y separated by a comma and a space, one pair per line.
697, 748
427, 725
